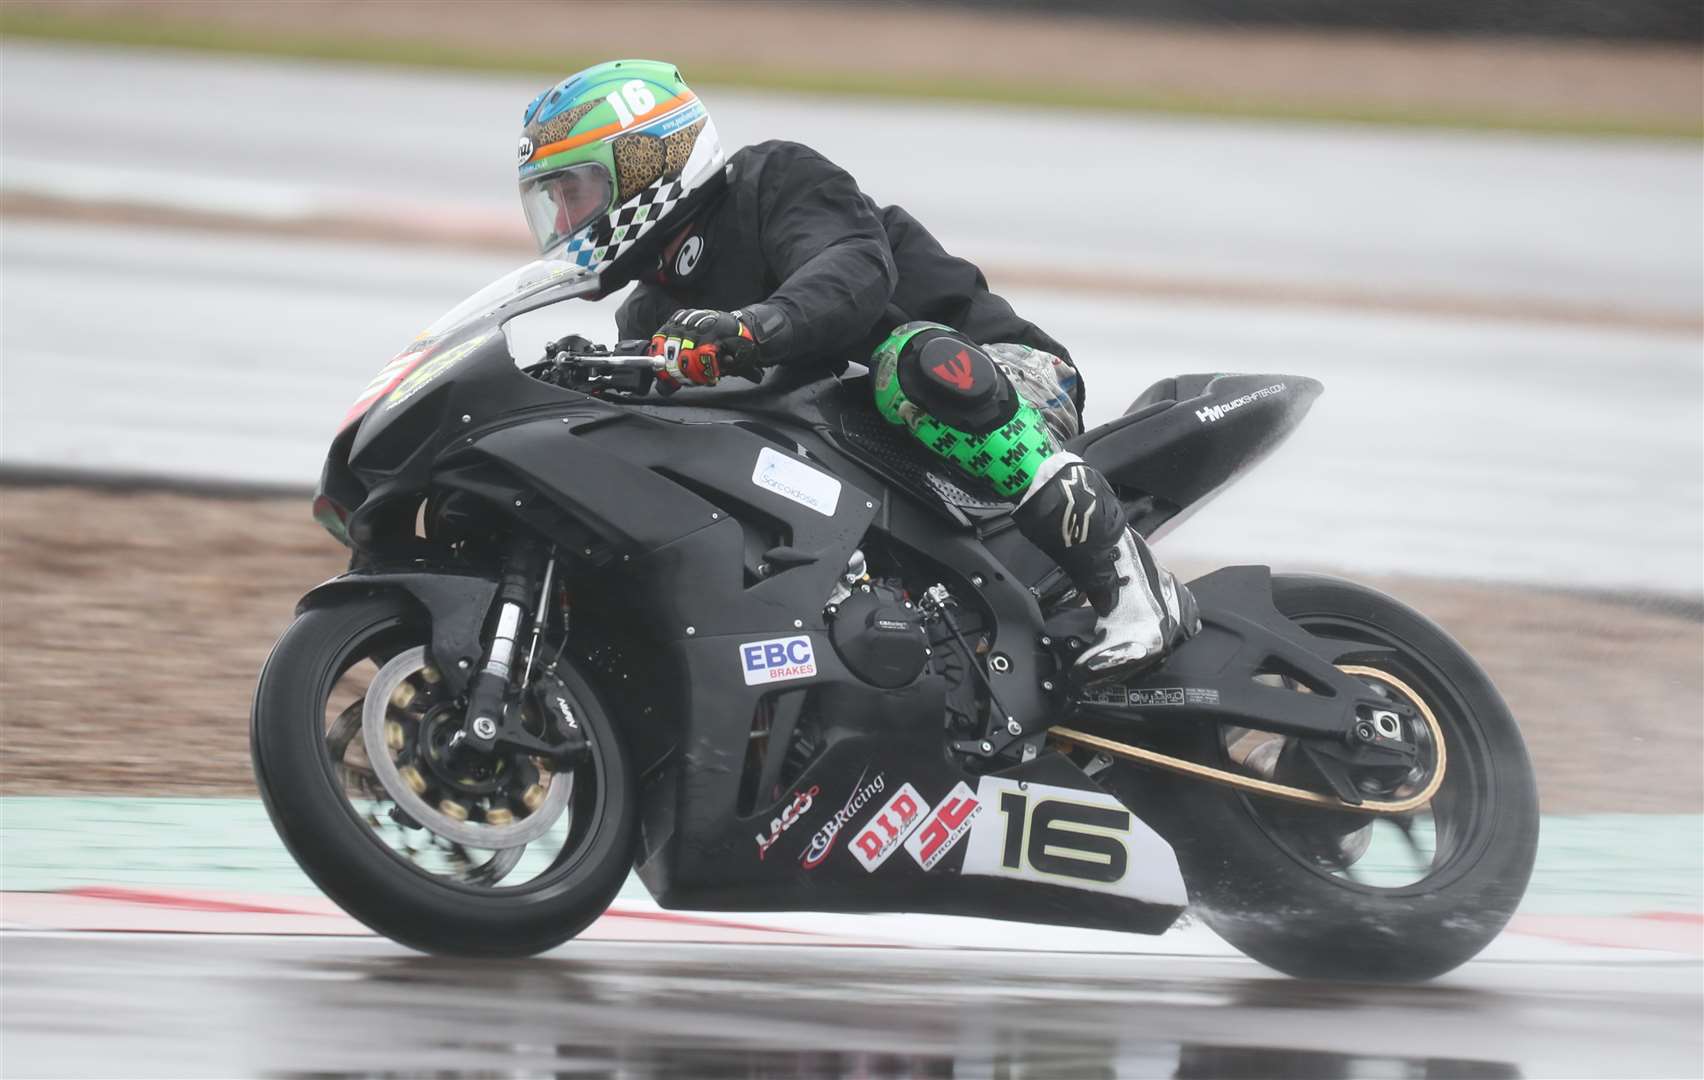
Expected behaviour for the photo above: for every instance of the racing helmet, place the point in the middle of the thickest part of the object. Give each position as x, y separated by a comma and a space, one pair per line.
608, 155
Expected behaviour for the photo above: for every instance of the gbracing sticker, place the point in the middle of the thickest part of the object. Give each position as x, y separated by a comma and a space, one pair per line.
822, 841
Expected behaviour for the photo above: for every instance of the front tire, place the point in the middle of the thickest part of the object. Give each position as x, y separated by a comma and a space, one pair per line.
1279, 902
305, 795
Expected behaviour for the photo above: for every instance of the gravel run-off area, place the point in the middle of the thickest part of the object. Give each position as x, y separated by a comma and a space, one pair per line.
133, 626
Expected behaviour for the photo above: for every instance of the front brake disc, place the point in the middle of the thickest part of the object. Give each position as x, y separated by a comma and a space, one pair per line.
467, 833
337, 739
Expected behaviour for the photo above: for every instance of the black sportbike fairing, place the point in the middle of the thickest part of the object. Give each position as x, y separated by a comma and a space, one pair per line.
705, 537
1185, 438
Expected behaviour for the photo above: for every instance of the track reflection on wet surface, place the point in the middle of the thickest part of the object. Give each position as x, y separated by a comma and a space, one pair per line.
132, 1005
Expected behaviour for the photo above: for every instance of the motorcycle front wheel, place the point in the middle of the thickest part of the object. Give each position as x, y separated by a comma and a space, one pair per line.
1338, 895
438, 852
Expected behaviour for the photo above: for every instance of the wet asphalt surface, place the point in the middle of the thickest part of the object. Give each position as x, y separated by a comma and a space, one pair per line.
163, 1005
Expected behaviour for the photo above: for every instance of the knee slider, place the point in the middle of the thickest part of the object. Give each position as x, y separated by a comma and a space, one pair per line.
956, 382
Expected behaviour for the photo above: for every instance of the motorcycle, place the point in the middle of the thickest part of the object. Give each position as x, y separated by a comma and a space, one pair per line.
760, 647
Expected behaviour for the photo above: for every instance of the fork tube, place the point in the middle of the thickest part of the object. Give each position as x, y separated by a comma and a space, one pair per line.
490, 685
503, 641
541, 616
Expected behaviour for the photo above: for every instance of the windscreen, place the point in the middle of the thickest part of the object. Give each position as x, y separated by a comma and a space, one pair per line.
535, 285
541, 282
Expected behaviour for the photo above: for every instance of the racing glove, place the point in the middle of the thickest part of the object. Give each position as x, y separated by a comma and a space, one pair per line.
699, 346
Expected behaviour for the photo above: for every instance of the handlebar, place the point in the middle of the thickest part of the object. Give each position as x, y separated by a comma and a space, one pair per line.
634, 373
634, 361
595, 372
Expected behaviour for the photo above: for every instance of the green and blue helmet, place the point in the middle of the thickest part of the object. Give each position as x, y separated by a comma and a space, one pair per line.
606, 156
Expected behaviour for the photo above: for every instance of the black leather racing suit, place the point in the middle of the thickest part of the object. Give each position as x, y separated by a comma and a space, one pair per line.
821, 272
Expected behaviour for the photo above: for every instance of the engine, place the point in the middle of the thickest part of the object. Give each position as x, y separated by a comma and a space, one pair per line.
880, 635
884, 638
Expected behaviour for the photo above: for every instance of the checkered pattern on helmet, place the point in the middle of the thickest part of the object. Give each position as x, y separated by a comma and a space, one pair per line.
622, 227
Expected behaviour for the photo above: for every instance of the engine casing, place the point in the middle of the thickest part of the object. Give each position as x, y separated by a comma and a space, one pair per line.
880, 636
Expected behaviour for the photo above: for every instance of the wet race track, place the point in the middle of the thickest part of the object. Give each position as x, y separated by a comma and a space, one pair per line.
169, 1005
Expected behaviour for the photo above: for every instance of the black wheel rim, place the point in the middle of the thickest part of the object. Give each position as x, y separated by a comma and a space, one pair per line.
1451, 831
535, 878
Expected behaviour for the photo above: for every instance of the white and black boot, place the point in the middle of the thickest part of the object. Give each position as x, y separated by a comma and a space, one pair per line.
1071, 513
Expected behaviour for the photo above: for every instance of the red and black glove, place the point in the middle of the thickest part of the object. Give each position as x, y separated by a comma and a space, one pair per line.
699, 346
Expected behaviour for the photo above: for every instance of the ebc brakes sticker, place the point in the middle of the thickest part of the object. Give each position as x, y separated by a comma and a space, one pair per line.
777, 660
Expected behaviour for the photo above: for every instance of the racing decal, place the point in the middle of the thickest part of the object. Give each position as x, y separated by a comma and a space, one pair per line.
1075, 838
1211, 413
777, 660
1115, 696
686, 260
884, 833
385, 381
524, 150
1151, 697
822, 842
958, 372
429, 369
793, 479
661, 118
1075, 523
790, 814
942, 830
567, 714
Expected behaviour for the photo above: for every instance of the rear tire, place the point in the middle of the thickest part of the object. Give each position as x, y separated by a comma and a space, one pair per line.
340, 853
1293, 917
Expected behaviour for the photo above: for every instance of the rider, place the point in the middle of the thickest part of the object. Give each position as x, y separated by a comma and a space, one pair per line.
772, 255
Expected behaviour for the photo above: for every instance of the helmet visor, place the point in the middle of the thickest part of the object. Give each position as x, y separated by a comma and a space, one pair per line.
560, 204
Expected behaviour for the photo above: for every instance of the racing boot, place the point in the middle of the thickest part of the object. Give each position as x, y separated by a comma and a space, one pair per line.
1071, 513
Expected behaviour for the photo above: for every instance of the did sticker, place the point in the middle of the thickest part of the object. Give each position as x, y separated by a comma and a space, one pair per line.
882, 834
777, 660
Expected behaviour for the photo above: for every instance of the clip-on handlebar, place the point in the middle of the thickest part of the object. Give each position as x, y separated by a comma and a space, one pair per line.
594, 372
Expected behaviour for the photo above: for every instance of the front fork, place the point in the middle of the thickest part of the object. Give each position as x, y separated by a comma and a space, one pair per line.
493, 713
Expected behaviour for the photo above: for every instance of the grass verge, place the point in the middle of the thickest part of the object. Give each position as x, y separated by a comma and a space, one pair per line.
134, 31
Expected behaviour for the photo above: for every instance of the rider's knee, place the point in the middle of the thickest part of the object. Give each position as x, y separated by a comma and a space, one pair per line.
930, 369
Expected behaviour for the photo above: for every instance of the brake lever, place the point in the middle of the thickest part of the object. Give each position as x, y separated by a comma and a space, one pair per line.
600, 371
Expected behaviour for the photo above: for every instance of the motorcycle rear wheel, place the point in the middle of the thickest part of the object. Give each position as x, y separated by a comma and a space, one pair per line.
305, 795
1254, 867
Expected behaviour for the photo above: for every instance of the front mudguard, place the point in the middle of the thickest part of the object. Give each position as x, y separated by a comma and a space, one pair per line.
454, 603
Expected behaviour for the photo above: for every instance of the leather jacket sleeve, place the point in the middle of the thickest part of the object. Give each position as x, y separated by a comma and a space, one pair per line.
646, 308
823, 239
